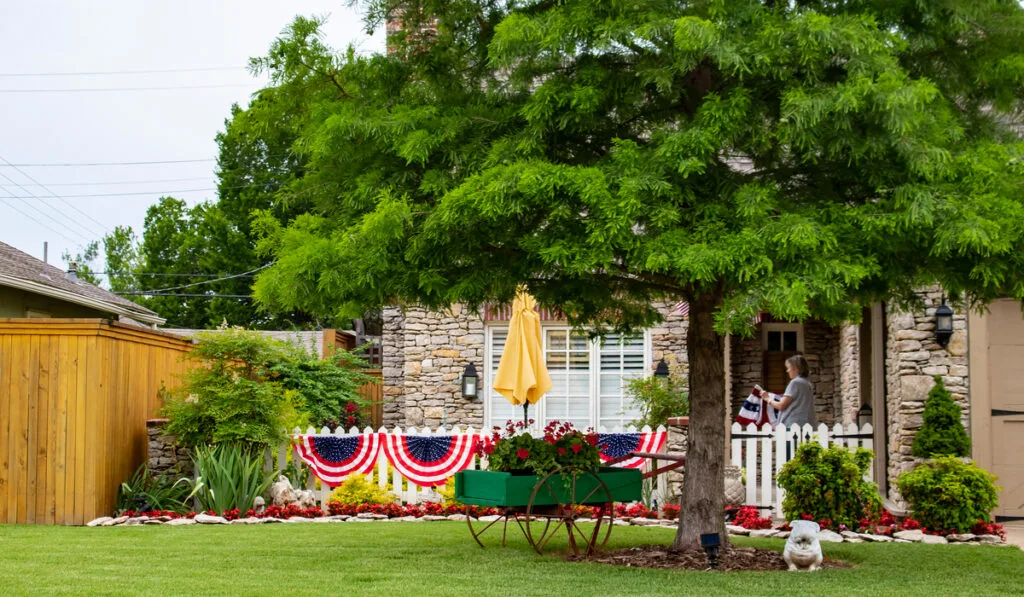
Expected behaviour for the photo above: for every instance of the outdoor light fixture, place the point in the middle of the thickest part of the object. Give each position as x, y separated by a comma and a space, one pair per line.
943, 323
710, 542
469, 386
864, 415
661, 371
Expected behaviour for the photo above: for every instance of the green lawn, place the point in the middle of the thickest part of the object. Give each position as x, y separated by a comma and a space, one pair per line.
397, 559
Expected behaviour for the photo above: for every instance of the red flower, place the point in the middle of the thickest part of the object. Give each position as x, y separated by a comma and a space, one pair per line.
576, 448
350, 407
561, 450
522, 453
351, 420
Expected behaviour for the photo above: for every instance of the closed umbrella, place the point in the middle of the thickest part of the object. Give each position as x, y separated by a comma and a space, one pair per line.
522, 376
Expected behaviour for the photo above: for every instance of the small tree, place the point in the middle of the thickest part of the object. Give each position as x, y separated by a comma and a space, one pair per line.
942, 433
658, 399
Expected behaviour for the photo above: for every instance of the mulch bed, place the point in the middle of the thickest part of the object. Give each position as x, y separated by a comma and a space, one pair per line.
730, 559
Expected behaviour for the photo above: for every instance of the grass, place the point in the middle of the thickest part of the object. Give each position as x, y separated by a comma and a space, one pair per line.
440, 558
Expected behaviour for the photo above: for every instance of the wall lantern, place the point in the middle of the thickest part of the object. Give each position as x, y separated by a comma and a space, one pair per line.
661, 371
469, 385
943, 323
864, 416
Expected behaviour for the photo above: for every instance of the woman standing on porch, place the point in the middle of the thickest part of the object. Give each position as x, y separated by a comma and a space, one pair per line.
796, 406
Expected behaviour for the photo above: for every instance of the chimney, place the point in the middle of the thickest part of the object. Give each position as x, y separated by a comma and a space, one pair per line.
72, 272
46, 252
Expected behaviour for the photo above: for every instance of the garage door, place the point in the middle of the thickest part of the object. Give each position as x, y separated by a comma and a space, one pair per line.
1006, 383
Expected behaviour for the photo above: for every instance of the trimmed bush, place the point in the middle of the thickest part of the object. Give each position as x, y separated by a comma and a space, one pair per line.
947, 494
941, 433
828, 484
357, 490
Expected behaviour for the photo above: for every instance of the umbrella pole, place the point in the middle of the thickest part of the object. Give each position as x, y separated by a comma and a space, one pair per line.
526, 419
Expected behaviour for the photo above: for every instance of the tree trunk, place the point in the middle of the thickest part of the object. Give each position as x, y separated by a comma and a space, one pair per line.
703, 500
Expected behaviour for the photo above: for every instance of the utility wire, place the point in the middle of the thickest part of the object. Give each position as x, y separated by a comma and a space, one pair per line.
144, 293
169, 275
122, 182
62, 200
106, 89
244, 274
45, 214
50, 228
77, 164
130, 194
125, 72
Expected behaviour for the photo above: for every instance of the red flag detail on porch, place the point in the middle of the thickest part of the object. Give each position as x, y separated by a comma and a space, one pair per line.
614, 445
332, 458
428, 460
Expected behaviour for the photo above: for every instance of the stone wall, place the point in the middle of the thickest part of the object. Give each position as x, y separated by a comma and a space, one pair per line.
913, 357
163, 455
668, 341
676, 443
425, 353
848, 394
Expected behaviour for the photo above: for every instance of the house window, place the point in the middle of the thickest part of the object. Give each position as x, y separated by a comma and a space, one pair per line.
587, 376
779, 341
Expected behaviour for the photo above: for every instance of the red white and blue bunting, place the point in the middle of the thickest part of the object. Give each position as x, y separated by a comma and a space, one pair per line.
332, 458
428, 460
614, 445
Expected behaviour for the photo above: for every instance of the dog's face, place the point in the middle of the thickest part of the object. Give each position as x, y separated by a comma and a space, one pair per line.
803, 535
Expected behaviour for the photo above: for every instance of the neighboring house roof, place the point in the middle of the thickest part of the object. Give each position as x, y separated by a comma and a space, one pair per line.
25, 272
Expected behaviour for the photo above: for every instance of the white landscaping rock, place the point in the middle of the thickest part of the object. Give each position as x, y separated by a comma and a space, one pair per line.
457, 517
248, 520
934, 540
990, 540
207, 519
901, 541
298, 519
339, 517
829, 536
357, 519
875, 538
180, 522
99, 521
414, 519
763, 533
850, 535
489, 518
153, 521
366, 515
620, 523
433, 518
113, 522
915, 535
271, 520
644, 522
736, 530
960, 537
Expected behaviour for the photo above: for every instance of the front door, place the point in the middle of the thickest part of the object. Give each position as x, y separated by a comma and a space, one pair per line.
779, 341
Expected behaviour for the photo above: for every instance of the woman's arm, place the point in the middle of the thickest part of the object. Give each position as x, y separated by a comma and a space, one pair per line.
779, 403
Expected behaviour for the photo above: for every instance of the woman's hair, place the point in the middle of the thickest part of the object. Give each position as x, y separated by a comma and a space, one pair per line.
800, 363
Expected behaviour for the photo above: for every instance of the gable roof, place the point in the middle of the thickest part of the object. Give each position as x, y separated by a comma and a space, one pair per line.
25, 272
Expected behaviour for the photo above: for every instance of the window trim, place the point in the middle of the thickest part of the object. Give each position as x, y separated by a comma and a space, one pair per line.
594, 370
783, 327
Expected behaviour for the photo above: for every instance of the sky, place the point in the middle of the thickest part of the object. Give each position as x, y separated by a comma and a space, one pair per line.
49, 120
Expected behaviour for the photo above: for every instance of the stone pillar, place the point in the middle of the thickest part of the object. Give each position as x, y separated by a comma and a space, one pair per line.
913, 357
848, 395
668, 341
163, 455
676, 443
393, 365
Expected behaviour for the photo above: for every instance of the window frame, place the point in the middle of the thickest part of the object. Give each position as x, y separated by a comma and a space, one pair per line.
782, 328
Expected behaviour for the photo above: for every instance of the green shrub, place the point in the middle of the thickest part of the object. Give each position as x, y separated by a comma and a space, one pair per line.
947, 494
143, 492
358, 489
228, 476
941, 433
249, 388
828, 484
658, 399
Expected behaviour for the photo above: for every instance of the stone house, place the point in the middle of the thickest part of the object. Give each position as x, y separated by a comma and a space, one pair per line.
887, 361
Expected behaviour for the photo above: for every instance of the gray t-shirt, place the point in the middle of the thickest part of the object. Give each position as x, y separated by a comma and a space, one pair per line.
801, 409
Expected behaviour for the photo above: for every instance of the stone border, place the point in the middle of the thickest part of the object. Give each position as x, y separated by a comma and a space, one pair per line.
915, 536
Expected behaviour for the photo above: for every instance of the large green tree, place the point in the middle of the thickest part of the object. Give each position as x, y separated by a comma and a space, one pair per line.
795, 158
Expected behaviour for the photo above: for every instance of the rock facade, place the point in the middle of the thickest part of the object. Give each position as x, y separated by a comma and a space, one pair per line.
849, 392
913, 357
163, 455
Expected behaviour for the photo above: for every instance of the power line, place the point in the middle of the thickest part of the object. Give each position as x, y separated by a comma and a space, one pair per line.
106, 89
244, 274
45, 214
50, 228
62, 200
77, 164
122, 182
144, 293
129, 194
170, 275
126, 72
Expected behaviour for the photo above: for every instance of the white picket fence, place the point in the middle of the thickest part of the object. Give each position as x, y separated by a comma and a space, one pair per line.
761, 453
408, 492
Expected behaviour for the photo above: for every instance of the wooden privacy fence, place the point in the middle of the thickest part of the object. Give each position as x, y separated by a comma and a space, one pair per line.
74, 398
763, 452
408, 492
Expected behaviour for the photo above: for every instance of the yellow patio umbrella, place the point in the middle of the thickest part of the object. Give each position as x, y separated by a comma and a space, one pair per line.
522, 376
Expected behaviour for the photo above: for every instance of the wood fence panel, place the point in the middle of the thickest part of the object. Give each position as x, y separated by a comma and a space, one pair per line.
374, 394
6, 373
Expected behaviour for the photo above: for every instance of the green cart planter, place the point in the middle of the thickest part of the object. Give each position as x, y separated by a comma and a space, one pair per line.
542, 505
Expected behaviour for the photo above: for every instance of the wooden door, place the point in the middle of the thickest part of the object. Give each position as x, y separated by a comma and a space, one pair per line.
1006, 383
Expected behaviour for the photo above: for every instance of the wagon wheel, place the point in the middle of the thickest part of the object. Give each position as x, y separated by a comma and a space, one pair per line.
569, 487
478, 527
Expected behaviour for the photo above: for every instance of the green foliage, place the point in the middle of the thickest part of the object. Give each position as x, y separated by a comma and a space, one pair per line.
828, 484
447, 492
83, 260
516, 450
942, 433
357, 489
947, 494
658, 399
144, 491
228, 476
249, 388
